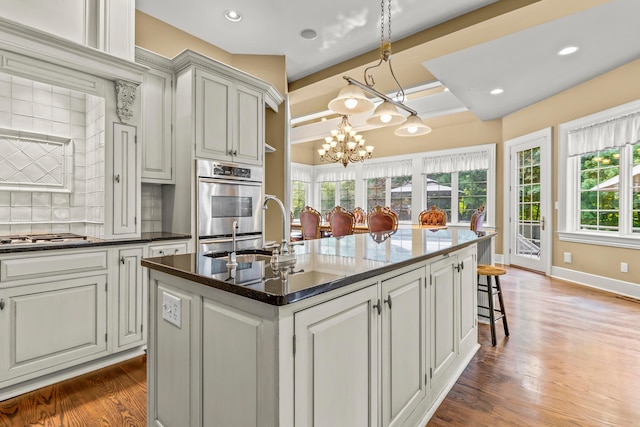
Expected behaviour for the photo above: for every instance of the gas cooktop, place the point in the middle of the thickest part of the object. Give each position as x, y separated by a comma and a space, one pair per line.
41, 238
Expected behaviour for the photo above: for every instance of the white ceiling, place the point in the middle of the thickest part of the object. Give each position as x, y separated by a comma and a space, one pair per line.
522, 62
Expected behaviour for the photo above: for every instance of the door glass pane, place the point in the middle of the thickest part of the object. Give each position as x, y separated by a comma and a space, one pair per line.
529, 185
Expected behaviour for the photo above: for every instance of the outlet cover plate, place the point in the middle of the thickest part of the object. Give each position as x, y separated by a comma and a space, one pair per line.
171, 309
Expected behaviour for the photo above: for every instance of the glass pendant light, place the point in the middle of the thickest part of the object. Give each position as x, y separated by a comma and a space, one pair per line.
413, 126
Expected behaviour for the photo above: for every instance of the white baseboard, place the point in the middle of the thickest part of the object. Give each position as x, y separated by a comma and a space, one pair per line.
615, 286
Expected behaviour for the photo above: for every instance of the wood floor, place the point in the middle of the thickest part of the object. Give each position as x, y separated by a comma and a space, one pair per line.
573, 359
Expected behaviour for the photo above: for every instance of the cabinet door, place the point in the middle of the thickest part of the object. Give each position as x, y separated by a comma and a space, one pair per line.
157, 141
126, 184
249, 129
443, 314
468, 299
51, 326
131, 298
403, 346
213, 117
336, 362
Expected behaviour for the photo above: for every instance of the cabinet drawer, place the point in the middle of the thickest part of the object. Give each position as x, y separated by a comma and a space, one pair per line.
168, 249
51, 265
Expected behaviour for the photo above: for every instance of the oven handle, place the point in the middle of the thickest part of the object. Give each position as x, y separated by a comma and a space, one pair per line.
228, 239
229, 181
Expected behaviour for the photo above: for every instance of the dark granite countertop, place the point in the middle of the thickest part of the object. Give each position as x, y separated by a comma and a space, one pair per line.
90, 242
321, 265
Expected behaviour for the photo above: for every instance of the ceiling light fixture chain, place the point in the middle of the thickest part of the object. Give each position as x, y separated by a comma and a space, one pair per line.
353, 100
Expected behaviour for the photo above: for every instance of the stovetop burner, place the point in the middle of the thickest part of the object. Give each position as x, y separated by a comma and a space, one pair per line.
41, 238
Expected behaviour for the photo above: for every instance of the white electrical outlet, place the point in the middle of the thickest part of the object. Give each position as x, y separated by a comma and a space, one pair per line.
624, 267
171, 308
567, 257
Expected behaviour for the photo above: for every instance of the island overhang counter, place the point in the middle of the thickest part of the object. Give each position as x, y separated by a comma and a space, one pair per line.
363, 330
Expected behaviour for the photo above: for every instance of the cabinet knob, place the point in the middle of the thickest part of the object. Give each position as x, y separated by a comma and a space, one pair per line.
378, 306
161, 252
118, 178
122, 260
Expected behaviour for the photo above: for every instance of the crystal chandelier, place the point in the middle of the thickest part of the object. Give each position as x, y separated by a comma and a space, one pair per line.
352, 98
344, 145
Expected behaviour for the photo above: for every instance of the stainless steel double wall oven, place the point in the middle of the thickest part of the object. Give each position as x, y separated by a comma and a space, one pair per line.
226, 193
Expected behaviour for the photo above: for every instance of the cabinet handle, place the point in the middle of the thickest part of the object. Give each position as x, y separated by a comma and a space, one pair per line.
122, 260
388, 301
378, 307
461, 265
235, 152
118, 178
161, 253
1, 304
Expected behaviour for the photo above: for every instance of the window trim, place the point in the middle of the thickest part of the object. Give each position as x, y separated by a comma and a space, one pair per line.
568, 196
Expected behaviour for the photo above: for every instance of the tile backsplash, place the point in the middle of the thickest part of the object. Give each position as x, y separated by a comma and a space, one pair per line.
45, 112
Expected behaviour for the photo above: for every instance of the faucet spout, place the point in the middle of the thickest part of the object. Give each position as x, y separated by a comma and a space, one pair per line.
284, 247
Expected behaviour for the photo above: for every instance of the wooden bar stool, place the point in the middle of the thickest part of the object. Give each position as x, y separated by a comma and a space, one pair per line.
491, 271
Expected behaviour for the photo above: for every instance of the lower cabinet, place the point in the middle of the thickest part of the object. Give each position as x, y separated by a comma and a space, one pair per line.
131, 298
403, 346
336, 362
51, 325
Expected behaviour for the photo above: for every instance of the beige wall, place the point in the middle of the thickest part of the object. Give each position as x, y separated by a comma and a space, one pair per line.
168, 41
608, 90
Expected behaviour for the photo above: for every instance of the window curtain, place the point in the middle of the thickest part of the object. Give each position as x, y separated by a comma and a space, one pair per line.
335, 174
300, 174
604, 135
384, 170
456, 163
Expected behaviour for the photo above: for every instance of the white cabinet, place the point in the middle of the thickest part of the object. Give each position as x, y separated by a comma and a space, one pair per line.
442, 320
403, 345
126, 183
229, 120
51, 325
336, 362
468, 313
157, 129
131, 298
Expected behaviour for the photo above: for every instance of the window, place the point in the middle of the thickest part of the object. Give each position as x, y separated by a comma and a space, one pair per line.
401, 197
327, 196
299, 197
376, 192
599, 191
348, 194
457, 182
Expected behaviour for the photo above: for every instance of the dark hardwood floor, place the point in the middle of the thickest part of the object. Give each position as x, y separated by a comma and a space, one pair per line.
573, 359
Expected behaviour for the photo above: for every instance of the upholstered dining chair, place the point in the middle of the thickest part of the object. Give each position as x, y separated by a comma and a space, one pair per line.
341, 222
310, 223
382, 219
477, 218
434, 217
359, 215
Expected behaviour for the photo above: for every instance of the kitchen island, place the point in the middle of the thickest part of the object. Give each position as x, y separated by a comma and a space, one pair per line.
363, 330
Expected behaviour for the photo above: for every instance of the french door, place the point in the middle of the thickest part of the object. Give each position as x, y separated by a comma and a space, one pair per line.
528, 173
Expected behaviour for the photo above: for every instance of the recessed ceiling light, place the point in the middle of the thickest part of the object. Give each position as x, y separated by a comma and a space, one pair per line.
308, 34
568, 50
496, 91
233, 15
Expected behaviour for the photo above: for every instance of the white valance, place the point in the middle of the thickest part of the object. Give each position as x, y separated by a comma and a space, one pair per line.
335, 174
384, 170
299, 173
456, 162
604, 135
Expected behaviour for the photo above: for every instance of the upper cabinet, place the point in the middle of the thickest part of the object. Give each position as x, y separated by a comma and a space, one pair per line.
156, 95
229, 120
220, 110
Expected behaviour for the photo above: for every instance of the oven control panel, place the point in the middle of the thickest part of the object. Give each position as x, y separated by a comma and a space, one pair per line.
233, 171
